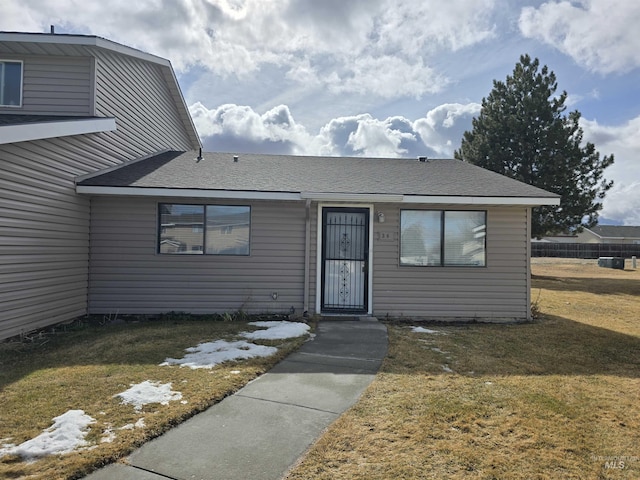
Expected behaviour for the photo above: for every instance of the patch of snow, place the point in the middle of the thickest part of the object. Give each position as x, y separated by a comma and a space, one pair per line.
277, 330
235, 372
131, 426
65, 435
437, 350
108, 435
210, 354
147, 392
447, 369
423, 330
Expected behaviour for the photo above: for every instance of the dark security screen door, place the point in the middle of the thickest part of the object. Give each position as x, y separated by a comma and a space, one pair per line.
345, 255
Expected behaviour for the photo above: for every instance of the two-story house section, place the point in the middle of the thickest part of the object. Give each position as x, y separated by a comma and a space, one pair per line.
70, 105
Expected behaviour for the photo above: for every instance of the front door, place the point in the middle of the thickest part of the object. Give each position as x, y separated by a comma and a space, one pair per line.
345, 259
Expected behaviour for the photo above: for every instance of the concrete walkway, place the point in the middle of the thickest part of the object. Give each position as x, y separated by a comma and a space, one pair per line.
262, 430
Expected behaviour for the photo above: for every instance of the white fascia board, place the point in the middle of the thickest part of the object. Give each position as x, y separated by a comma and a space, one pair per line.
82, 40
185, 192
315, 196
351, 197
53, 129
519, 201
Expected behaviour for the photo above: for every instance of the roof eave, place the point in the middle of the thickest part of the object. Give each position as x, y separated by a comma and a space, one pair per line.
315, 196
54, 129
81, 40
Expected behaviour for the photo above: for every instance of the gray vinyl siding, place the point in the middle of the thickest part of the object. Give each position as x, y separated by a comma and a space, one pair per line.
136, 93
44, 234
55, 85
497, 291
44, 224
128, 276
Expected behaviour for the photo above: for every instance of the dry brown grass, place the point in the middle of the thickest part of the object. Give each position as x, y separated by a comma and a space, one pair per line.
85, 368
557, 398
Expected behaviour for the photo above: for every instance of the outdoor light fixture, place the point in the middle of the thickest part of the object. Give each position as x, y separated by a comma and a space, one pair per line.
380, 217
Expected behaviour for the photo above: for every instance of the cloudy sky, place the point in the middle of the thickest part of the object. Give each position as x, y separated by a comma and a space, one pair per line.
397, 78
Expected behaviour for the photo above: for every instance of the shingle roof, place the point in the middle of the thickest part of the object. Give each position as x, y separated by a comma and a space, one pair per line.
616, 231
286, 173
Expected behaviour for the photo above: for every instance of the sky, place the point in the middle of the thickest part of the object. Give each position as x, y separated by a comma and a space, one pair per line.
381, 78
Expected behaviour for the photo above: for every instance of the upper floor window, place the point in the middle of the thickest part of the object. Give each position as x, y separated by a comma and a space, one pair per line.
204, 229
10, 83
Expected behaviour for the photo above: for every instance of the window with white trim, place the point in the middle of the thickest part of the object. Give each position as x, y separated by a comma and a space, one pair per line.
10, 83
204, 229
443, 238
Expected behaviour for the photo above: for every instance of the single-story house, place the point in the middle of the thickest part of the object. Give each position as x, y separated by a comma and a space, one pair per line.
620, 234
110, 206
207, 232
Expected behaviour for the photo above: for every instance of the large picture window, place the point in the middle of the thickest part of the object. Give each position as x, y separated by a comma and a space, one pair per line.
10, 83
204, 229
443, 238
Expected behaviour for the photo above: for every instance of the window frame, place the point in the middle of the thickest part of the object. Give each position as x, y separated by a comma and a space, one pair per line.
442, 245
203, 243
2, 82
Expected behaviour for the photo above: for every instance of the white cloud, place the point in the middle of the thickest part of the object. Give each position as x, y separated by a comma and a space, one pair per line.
237, 128
443, 127
622, 202
380, 47
599, 34
240, 129
381, 138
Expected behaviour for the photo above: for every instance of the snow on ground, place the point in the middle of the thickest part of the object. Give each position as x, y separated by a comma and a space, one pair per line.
65, 435
108, 435
131, 426
423, 330
147, 392
277, 330
210, 354
69, 430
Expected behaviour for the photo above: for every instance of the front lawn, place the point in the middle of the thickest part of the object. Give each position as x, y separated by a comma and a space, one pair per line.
556, 398
100, 391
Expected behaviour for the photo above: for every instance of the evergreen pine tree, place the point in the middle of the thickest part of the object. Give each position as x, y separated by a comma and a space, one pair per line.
522, 132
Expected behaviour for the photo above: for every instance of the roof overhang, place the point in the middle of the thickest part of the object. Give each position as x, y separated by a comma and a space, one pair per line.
81, 40
52, 129
315, 196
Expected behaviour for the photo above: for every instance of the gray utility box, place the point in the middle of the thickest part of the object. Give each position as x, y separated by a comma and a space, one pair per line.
611, 262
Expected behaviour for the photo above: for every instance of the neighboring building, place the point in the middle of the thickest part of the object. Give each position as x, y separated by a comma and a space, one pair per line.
610, 234
69, 105
556, 239
108, 207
